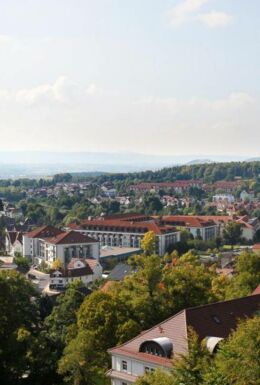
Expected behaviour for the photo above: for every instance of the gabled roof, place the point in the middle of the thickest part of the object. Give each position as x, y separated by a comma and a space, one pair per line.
213, 320
79, 272
257, 290
70, 237
15, 236
43, 232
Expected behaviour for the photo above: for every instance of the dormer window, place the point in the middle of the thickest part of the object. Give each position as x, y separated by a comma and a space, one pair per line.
161, 347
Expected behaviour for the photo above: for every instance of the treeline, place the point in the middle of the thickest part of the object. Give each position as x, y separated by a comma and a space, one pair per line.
207, 172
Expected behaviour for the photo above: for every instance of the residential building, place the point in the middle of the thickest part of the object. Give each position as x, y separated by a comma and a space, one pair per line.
14, 242
48, 244
85, 270
158, 346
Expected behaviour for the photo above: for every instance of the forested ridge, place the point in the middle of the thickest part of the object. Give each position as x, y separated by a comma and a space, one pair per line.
207, 172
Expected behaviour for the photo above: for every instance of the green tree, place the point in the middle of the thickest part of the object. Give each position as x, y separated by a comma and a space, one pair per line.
232, 233
149, 243
47, 347
157, 377
19, 318
238, 359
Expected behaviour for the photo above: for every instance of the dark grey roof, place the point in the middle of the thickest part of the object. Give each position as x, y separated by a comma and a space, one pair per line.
164, 343
120, 271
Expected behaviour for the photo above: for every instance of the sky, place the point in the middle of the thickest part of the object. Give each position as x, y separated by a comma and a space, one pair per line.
169, 77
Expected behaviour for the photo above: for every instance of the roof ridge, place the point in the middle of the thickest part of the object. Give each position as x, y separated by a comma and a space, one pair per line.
219, 302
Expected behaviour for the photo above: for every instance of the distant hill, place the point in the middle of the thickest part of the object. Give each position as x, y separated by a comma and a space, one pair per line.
257, 159
200, 161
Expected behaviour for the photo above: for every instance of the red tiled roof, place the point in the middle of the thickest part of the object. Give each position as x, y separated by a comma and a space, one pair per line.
188, 220
80, 272
215, 320
70, 237
92, 262
127, 226
257, 290
43, 232
176, 184
256, 247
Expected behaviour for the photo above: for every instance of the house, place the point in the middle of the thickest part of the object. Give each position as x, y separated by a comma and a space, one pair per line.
245, 196
14, 242
85, 270
158, 346
128, 230
47, 244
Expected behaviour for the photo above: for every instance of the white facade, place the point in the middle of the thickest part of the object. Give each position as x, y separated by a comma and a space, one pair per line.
125, 370
127, 239
206, 233
41, 250
60, 279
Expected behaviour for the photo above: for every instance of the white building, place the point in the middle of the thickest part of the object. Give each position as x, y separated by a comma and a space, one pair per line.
14, 242
85, 270
198, 226
128, 231
48, 244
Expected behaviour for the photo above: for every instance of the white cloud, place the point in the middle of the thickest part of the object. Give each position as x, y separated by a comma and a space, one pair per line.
188, 11
63, 91
182, 12
215, 19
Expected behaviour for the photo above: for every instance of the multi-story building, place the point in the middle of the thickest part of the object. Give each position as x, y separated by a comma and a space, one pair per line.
158, 346
128, 231
198, 226
48, 244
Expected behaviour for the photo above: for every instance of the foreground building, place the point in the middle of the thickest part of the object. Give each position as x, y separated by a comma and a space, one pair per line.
48, 244
128, 231
158, 346
85, 270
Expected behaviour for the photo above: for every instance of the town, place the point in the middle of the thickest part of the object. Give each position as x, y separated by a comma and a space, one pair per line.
70, 237
129, 192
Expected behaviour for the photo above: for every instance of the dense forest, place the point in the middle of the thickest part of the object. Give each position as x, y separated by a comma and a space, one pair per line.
207, 172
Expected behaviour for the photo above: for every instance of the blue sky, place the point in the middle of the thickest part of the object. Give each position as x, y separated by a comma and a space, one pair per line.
157, 76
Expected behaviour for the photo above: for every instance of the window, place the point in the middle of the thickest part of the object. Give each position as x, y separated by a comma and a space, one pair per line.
124, 365
123, 383
148, 370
